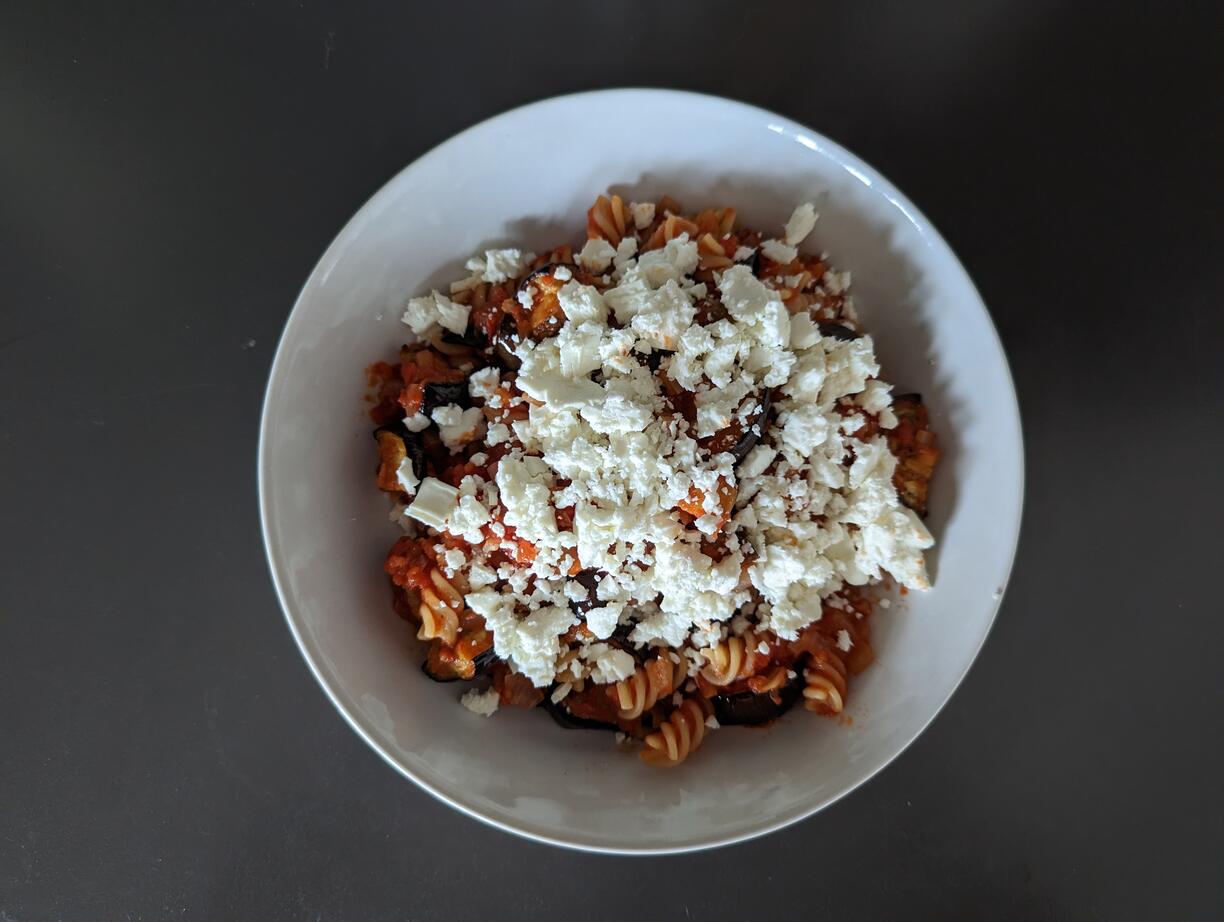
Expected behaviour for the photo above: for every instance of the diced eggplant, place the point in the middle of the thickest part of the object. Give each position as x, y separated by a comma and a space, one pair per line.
484, 661
588, 580
441, 393
546, 269
546, 316
739, 437
652, 359
445, 664
837, 331
561, 714
749, 709
752, 432
410, 441
469, 338
441, 670
505, 340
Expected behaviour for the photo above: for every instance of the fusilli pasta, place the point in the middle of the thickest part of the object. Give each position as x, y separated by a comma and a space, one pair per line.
679, 736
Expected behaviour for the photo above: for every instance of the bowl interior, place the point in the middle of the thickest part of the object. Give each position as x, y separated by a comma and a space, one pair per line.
518, 179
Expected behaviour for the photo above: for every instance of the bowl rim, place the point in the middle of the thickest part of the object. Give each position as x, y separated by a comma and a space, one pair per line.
775, 122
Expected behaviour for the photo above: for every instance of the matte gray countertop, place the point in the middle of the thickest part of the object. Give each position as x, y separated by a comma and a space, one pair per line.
171, 172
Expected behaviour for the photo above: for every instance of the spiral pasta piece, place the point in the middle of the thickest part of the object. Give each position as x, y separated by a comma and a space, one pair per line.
606, 218
826, 683
710, 253
646, 686
441, 604
770, 681
730, 660
679, 736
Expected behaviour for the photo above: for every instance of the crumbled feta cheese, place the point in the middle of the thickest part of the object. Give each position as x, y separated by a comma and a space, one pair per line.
596, 255
457, 426
406, 476
479, 702
779, 252
844, 643
500, 265
643, 214
423, 315
417, 422
801, 222
483, 384
434, 502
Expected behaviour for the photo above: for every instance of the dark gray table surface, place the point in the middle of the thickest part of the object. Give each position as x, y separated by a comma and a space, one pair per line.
169, 175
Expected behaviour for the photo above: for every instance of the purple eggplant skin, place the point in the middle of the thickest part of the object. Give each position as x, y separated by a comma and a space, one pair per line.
437, 677
747, 709
588, 579
752, 434
546, 269
504, 342
484, 661
560, 713
837, 331
469, 338
439, 394
412, 445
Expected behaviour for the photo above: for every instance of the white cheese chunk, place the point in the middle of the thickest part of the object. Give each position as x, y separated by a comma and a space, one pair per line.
479, 702
424, 315
434, 502
801, 222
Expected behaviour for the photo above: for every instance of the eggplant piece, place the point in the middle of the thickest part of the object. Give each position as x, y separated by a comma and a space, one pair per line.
748, 709
469, 338
441, 671
653, 359
745, 435
411, 442
484, 661
546, 269
504, 342
837, 331
588, 580
752, 433
560, 713
441, 393
442, 665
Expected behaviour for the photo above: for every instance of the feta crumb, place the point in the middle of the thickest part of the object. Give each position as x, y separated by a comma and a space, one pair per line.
457, 426
596, 255
417, 422
405, 474
434, 502
779, 252
643, 214
423, 315
500, 265
483, 384
844, 643
801, 222
479, 702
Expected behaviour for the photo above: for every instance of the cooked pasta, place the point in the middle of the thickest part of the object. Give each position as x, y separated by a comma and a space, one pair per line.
731, 659
441, 605
825, 675
657, 679
633, 477
678, 736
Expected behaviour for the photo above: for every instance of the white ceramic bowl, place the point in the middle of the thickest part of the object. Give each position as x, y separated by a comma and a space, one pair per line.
526, 178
